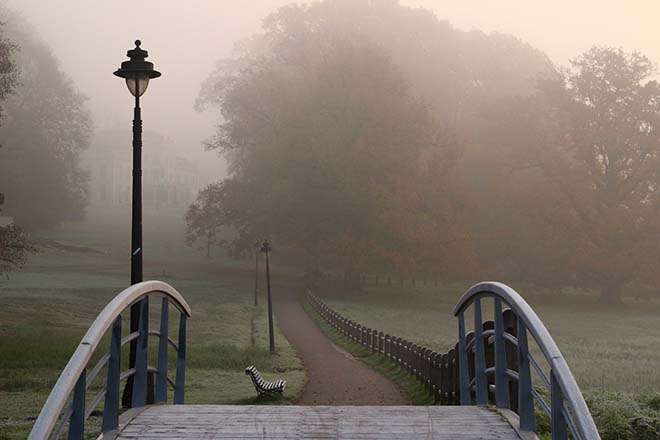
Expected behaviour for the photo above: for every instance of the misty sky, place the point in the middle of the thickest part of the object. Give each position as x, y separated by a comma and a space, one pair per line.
185, 38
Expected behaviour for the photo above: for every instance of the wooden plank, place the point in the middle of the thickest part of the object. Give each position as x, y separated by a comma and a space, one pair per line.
173, 422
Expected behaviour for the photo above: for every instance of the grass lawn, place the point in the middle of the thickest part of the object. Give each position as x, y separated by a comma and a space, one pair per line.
48, 306
613, 349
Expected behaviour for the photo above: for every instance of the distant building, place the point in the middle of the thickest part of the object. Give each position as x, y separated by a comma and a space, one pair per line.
168, 179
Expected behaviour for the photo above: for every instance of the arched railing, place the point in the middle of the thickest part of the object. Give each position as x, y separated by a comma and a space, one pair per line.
76, 378
494, 361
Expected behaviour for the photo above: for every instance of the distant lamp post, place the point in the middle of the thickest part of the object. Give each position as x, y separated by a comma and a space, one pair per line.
137, 72
265, 248
257, 247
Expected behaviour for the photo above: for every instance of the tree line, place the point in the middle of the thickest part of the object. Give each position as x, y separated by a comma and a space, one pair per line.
44, 126
368, 137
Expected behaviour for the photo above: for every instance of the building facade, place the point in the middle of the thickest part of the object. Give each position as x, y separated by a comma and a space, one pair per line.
169, 180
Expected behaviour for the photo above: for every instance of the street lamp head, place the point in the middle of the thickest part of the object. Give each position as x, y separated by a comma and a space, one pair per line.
136, 71
266, 247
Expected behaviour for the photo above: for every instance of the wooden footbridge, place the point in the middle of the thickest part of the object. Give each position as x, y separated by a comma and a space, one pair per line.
491, 385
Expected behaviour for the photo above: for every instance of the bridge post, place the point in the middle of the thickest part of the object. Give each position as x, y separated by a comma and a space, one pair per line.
180, 381
77, 421
510, 320
479, 356
463, 372
161, 379
140, 379
455, 376
559, 431
111, 405
501, 379
525, 397
469, 344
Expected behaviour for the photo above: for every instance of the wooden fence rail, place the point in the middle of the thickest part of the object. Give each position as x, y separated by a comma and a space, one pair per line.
437, 372
490, 365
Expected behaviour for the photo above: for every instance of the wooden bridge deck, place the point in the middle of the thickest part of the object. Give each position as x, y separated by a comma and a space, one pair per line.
170, 422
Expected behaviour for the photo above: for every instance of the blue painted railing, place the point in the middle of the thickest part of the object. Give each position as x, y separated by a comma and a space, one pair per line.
74, 382
509, 369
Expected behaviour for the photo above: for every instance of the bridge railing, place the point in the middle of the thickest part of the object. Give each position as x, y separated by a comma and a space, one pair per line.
495, 358
67, 405
488, 365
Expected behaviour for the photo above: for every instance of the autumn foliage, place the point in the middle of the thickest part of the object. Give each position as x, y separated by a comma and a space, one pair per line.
368, 137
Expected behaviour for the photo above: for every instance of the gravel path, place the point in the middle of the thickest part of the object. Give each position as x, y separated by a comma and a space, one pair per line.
334, 376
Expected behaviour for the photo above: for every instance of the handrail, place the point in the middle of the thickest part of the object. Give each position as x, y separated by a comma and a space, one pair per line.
74, 373
563, 386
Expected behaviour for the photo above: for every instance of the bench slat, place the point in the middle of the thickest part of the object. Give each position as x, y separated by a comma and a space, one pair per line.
262, 386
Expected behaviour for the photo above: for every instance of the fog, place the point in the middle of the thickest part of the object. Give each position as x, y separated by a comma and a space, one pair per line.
359, 162
186, 39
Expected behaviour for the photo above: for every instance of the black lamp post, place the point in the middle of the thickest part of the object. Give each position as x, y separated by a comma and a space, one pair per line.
137, 72
271, 336
256, 273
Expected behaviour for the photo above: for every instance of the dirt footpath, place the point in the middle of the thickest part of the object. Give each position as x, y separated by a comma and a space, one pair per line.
334, 376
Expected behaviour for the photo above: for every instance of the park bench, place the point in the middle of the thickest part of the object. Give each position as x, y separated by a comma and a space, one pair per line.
263, 387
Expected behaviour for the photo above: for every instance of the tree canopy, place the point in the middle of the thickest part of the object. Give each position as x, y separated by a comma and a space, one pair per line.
584, 154
371, 137
14, 243
8, 71
323, 138
343, 124
205, 217
46, 127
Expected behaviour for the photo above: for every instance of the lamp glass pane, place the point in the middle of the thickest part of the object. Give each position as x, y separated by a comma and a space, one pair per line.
141, 82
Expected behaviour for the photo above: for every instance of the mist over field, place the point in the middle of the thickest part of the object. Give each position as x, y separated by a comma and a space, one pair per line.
392, 152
